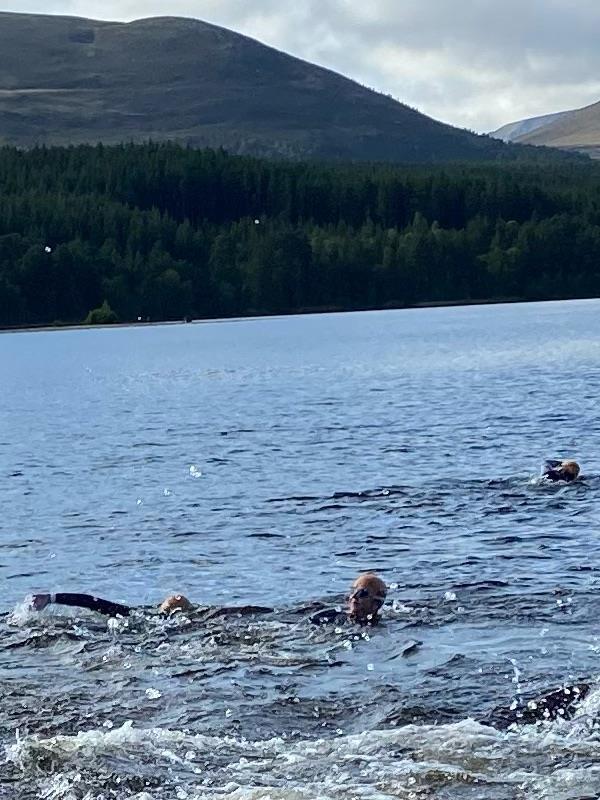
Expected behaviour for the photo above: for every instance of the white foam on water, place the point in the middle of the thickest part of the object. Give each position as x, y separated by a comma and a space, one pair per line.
590, 705
585, 719
93, 744
563, 784
22, 613
60, 787
554, 761
116, 625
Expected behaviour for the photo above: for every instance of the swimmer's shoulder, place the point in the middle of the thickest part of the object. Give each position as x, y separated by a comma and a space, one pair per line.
328, 616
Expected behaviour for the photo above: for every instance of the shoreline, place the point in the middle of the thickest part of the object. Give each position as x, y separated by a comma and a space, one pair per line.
77, 326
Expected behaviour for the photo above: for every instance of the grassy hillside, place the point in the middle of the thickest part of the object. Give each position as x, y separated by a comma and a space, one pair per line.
65, 80
576, 130
514, 131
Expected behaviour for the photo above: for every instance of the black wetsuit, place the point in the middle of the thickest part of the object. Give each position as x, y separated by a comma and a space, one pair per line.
328, 616
110, 609
92, 603
331, 616
557, 704
325, 616
554, 472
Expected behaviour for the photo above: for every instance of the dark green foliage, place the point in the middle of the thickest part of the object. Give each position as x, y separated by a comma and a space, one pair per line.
164, 232
104, 315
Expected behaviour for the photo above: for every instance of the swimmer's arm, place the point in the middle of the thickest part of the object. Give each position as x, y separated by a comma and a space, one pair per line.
551, 470
559, 703
553, 475
552, 463
107, 607
328, 616
237, 611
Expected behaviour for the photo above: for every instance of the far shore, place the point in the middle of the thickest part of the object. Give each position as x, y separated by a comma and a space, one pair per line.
67, 326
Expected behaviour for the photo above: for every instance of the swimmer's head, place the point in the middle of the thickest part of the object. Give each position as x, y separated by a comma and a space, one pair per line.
367, 595
561, 470
570, 470
174, 603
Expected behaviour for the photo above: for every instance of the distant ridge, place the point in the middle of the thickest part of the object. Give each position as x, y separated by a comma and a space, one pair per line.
514, 130
577, 130
68, 80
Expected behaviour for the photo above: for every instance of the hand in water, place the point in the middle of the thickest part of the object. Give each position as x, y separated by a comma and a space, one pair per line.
39, 601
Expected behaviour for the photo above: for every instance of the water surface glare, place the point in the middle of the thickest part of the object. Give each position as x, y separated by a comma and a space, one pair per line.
266, 462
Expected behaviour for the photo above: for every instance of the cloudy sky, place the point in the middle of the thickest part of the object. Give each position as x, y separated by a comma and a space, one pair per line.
476, 64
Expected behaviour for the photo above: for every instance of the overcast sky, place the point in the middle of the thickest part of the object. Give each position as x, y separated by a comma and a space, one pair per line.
476, 64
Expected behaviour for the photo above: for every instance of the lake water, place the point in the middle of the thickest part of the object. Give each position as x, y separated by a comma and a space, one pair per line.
268, 461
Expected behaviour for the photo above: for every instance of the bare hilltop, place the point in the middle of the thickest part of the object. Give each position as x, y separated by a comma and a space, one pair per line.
67, 80
577, 131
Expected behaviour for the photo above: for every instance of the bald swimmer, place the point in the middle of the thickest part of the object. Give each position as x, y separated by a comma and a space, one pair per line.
556, 470
367, 596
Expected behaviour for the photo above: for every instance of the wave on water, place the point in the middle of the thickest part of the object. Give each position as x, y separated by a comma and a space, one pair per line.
21, 614
512, 492
459, 760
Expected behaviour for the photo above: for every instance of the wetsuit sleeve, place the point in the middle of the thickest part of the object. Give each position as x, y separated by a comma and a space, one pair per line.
328, 616
551, 470
237, 611
552, 463
553, 475
560, 703
92, 603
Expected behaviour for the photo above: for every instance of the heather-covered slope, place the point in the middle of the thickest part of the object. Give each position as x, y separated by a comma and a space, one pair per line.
66, 80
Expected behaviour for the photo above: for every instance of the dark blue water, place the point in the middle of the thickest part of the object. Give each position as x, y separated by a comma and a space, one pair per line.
268, 461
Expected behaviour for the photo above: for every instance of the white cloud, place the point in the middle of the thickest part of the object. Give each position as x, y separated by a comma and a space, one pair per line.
476, 64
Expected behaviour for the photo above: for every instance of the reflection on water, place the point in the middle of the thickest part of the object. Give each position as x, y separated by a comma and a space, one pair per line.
266, 462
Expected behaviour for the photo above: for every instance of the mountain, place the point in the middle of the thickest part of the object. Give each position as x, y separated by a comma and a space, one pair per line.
514, 130
67, 80
577, 130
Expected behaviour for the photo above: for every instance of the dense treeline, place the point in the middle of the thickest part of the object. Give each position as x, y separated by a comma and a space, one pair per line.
163, 232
